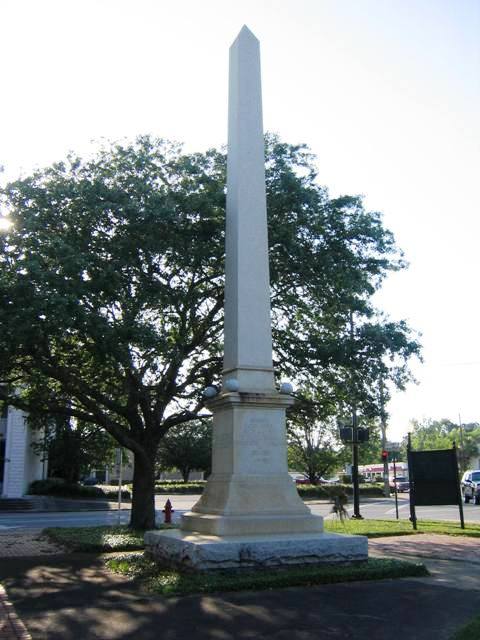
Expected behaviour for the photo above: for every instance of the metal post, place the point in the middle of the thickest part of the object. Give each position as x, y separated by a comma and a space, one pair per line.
355, 483
119, 462
395, 483
462, 455
356, 489
383, 425
411, 477
459, 491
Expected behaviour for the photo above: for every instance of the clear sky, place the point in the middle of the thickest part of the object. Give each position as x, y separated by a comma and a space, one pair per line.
386, 93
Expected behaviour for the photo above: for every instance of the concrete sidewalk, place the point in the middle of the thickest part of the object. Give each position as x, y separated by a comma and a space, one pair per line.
72, 596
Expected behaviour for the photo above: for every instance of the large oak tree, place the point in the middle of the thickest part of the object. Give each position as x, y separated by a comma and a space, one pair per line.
111, 289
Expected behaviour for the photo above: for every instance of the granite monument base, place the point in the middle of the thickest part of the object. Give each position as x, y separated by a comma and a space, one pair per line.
191, 551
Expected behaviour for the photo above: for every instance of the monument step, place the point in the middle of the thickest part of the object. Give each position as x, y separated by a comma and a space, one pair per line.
193, 551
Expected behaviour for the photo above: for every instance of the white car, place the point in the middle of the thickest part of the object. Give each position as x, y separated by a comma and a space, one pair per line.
470, 486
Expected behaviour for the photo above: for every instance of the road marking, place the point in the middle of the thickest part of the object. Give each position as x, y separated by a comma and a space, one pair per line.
400, 507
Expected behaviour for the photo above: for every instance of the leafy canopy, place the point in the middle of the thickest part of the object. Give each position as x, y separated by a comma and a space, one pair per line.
111, 290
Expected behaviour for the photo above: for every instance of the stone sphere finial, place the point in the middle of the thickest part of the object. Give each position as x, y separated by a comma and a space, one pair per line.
286, 388
231, 384
210, 392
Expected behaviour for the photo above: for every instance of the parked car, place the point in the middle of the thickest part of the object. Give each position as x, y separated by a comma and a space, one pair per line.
470, 485
299, 478
401, 483
90, 482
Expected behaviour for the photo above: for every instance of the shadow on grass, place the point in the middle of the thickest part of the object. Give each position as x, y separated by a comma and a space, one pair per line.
168, 582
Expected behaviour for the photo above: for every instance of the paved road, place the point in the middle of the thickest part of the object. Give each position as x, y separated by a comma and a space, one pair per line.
381, 508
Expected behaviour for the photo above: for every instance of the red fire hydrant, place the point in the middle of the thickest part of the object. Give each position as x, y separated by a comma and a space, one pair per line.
168, 512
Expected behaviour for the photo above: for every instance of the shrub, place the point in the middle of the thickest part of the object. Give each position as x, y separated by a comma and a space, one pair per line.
58, 487
329, 491
173, 486
321, 491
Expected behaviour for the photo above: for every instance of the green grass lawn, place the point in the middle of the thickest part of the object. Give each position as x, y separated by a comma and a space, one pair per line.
98, 539
380, 528
470, 631
121, 538
168, 582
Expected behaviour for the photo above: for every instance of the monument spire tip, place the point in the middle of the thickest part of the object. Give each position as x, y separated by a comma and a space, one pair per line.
246, 33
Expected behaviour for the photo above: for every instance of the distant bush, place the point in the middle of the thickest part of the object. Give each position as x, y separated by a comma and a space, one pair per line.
329, 491
61, 489
113, 494
174, 486
321, 491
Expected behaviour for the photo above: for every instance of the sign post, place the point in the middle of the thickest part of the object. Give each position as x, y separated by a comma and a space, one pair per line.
118, 453
354, 435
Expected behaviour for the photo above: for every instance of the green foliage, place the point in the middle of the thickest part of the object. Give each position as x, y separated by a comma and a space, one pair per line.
172, 487
172, 583
442, 434
60, 488
72, 447
329, 491
187, 448
96, 539
111, 292
307, 453
469, 631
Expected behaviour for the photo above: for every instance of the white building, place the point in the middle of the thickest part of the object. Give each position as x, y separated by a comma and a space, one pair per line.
19, 464
374, 472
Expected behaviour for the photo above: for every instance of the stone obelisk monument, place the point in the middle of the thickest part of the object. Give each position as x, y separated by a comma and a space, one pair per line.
250, 490
250, 512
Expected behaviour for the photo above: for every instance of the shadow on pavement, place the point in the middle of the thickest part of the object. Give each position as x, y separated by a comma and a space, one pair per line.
73, 596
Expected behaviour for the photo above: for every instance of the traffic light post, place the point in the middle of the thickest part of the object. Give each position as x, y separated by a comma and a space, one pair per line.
355, 435
355, 483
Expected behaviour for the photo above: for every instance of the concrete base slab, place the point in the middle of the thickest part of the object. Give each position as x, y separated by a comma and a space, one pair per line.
195, 551
258, 524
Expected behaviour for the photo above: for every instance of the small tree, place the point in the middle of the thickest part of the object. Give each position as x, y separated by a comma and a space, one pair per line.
311, 443
72, 447
441, 434
187, 448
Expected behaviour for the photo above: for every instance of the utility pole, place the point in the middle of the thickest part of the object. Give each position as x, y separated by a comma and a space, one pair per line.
383, 425
462, 456
355, 483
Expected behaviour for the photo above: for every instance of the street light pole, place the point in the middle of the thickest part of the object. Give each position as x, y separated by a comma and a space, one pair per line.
355, 483
383, 423
462, 447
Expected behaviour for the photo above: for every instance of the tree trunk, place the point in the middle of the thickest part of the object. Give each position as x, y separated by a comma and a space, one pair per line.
143, 496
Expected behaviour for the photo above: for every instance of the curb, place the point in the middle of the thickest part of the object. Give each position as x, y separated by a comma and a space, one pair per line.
11, 627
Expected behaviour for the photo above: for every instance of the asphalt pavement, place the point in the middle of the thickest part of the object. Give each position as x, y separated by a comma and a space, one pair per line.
377, 508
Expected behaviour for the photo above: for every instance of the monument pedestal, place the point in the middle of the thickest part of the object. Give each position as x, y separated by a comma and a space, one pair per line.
250, 514
250, 491
195, 552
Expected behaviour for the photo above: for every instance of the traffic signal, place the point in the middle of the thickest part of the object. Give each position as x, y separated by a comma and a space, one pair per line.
363, 434
346, 434
384, 456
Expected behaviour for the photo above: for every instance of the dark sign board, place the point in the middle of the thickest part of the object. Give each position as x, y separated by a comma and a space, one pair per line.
435, 477
433, 480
